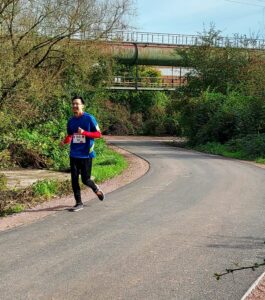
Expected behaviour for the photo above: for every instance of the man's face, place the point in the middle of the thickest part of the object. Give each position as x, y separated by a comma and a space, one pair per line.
77, 106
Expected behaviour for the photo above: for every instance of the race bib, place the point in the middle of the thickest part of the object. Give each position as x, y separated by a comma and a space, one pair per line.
79, 139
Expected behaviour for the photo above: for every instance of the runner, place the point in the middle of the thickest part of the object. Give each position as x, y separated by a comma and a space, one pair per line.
82, 129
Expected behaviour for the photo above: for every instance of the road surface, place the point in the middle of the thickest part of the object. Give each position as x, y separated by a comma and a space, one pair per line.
161, 237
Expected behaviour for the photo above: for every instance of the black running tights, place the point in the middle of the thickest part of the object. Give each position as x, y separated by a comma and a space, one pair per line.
81, 166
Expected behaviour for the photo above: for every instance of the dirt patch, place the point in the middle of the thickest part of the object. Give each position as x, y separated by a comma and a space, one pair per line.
24, 177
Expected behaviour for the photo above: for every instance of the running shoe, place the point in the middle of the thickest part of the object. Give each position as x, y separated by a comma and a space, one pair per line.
100, 194
77, 207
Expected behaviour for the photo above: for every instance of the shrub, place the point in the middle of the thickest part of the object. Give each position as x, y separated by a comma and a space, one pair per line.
116, 119
250, 147
253, 145
214, 117
5, 159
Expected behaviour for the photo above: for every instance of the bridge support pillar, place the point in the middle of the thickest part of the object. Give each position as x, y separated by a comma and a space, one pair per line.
136, 77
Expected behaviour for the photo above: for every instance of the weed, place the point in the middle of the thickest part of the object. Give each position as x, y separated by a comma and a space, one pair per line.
14, 209
3, 182
45, 188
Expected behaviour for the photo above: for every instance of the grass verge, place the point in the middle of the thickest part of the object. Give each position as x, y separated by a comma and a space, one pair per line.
250, 147
107, 165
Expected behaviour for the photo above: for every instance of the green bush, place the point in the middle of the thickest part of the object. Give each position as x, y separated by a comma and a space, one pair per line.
214, 117
155, 125
221, 149
213, 68
224, 97
39, 147
249, 147
252, 145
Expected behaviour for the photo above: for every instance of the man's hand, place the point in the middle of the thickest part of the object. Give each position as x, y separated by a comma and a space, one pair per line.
67, 140
80, 130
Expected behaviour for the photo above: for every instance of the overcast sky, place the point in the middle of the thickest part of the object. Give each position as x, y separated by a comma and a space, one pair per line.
190, 16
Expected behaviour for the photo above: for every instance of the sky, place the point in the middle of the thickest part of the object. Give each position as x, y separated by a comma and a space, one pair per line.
191, 16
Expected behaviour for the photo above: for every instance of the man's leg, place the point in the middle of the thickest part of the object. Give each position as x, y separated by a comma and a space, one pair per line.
86, 169
74, 163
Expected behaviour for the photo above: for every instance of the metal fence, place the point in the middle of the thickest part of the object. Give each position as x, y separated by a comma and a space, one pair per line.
184, 40
150, 82
237, 41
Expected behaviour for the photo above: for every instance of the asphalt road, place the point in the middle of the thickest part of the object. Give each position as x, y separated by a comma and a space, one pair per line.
161, 237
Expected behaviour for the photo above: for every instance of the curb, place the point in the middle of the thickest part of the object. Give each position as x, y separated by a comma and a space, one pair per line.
253, 287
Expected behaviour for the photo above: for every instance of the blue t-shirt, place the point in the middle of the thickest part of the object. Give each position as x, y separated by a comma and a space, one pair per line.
82, 146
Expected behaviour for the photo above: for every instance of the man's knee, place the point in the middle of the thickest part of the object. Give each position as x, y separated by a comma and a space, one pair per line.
86, 181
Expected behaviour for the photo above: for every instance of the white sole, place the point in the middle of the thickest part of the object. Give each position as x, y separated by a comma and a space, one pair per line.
75, 210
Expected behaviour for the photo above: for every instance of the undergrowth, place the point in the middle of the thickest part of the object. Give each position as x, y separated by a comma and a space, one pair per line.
107, 164
250, 147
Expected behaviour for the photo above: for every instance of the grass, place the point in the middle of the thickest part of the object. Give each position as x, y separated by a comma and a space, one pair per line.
45, 188
227, 151
17, 208
220, 149
106, 165
260, 160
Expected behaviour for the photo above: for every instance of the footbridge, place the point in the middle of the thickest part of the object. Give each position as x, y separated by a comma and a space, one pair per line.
169, 39
160, 50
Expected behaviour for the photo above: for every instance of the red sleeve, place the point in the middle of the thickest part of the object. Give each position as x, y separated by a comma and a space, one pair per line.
92, 135
67, 139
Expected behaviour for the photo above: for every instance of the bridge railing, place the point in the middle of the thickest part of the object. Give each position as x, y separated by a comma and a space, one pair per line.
237, 41
184, 40
151, 82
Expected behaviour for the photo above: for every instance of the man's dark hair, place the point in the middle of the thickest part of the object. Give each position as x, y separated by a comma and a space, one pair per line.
78, 97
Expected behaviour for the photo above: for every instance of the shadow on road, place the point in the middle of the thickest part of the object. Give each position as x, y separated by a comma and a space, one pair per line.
233, 242
55, 208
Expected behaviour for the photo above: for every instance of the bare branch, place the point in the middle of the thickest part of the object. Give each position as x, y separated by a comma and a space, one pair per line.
38, 21
4, 5
230, 271
32, 29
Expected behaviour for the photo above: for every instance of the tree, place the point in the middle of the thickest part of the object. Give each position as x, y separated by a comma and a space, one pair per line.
213, 67
41, 38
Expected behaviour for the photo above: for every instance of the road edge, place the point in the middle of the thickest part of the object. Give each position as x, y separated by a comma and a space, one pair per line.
248, 295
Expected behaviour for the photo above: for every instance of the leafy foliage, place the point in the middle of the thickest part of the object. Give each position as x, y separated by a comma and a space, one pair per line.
225, 95
249, 147
218, 117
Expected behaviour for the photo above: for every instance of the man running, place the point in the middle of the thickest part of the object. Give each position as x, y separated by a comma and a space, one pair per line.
82, 129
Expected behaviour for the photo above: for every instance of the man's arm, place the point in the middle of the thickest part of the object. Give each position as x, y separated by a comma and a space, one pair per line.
94, 132
68, 139
91, 135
